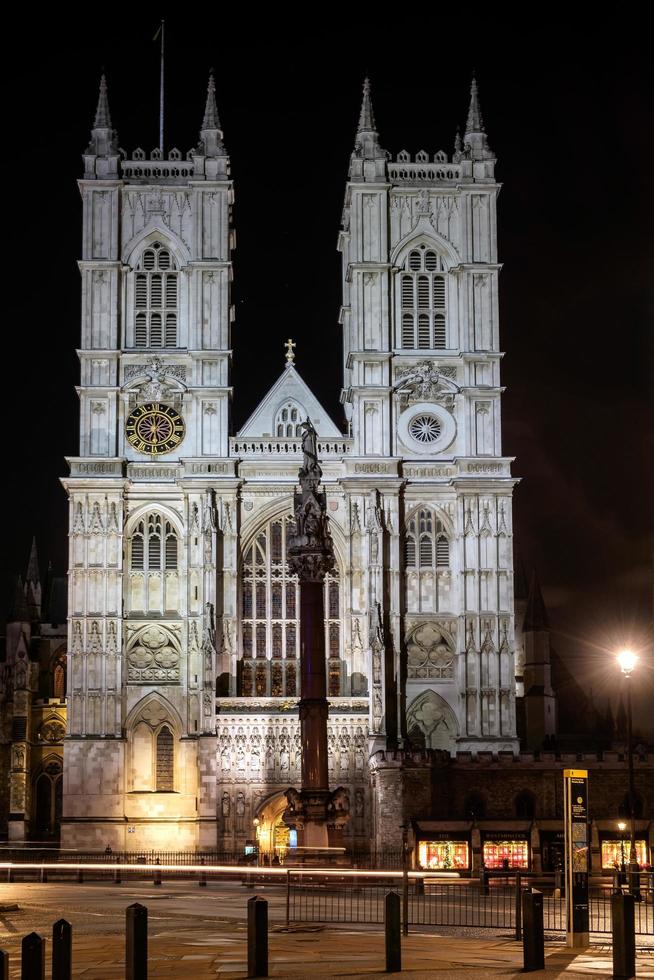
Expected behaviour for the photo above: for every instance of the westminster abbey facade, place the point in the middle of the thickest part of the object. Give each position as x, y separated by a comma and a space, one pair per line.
182, 670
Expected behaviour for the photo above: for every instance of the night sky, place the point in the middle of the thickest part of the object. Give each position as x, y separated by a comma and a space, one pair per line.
573, 135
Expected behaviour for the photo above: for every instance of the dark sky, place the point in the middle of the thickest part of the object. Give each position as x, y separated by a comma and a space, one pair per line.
571, 123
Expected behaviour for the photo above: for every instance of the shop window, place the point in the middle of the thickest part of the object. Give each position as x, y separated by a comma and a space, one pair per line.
444, 855
615, 853
504, 854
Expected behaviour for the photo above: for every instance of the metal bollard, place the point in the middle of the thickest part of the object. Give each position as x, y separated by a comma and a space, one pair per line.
32, 960
62, 950
136, 942
43, 876
4, 964
80, 876
257, 937
483, 882
533, 939
10, 876
393, 933
157, 874
624, 936
203, 876
117, 878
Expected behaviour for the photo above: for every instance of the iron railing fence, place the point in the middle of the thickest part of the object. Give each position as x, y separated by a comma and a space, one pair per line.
344, 895
462, 903
386, 860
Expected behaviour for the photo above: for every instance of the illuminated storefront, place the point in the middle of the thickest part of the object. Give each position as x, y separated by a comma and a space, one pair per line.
615, 852
501, 851
444, 855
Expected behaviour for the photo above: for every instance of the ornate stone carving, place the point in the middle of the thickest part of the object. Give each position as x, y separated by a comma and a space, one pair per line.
52, 730
310, 547
429, 653
153, 654
425, 382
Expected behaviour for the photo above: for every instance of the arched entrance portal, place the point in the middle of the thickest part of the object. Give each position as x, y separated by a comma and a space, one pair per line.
273, 835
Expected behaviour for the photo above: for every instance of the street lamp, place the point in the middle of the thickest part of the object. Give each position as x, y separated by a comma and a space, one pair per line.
627, 661
622, 827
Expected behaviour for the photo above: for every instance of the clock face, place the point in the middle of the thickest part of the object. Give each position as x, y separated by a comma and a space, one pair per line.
154, 429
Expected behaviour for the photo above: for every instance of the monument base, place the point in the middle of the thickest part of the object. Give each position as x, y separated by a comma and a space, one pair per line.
318, 816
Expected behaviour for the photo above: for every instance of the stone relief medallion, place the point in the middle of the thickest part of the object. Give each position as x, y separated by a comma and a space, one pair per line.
153, 655
52, 730
429, 653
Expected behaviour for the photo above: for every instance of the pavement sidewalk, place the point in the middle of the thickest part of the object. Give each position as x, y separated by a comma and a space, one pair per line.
325, 952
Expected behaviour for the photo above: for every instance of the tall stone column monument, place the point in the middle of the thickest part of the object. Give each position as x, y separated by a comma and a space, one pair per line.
312, 810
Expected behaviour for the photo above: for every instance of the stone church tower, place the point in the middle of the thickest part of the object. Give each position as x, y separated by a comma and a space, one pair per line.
183, 632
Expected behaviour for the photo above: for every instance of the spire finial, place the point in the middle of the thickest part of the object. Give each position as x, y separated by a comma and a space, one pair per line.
102, 116
290, 356
367, 145
366, 116
211, 120
474, 139
33, 565
474, 122
101, 155
211, 135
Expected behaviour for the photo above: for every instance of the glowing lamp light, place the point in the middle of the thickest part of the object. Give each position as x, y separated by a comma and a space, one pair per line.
622, 827
627, 661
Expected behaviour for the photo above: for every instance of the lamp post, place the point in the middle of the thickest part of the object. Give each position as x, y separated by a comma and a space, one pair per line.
622, 827
627, 661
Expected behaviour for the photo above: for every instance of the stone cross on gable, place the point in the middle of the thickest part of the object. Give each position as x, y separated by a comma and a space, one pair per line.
290, 356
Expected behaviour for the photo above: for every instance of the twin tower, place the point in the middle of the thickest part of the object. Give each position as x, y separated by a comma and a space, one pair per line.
183, 669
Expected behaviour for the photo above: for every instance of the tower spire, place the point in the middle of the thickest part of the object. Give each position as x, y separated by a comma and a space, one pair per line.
536, 613
211, 156
211, 120
102, 115
33, 591
104, 140
475, 139
366, 146
366, 116
33, 575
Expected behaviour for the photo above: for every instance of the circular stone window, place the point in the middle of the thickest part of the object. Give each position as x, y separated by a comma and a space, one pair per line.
426, 428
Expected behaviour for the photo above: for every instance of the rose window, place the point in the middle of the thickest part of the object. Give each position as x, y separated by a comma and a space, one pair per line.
425, 428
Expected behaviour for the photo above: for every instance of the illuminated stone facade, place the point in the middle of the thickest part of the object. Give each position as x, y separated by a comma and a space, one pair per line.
183, 631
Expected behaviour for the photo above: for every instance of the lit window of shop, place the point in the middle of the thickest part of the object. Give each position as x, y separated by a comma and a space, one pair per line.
444, 855
615, 853
503, 854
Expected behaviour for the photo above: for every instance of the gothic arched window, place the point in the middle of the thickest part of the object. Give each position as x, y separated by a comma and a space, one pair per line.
153, 561
427, 545
156, 298
422, 293
59, 676
153, 545
270, 620
165, 772
288, 421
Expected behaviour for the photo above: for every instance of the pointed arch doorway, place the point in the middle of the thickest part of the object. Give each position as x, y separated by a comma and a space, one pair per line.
273, 836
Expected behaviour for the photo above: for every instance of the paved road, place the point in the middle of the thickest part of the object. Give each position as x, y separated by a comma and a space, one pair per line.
200, 933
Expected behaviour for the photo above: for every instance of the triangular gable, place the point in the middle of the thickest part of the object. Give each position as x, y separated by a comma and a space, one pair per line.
289, 388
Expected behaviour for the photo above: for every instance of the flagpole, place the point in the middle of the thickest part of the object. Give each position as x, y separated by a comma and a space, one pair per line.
161, 94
